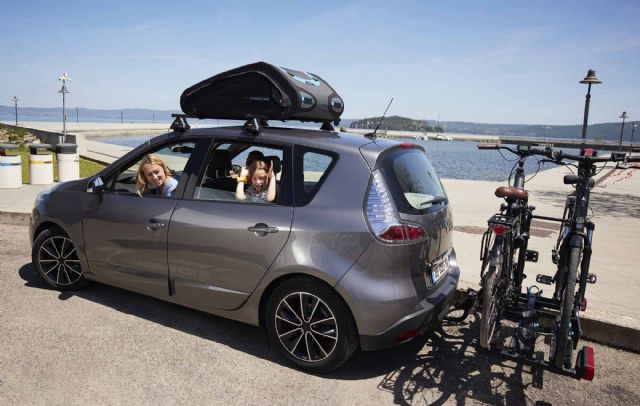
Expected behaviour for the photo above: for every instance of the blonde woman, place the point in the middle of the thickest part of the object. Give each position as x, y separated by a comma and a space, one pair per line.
262, 183
154, 177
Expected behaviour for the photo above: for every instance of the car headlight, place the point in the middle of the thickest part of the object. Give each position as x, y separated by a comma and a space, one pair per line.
41, 197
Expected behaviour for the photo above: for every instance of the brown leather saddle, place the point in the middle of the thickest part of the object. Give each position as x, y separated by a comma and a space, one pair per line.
512, 192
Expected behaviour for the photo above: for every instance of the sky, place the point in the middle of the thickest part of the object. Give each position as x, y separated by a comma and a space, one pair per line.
517, 62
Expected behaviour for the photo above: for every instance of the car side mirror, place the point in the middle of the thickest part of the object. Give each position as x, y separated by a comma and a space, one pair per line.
96, 186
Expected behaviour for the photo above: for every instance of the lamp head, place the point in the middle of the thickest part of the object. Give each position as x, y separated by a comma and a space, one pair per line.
624, 115
591, 78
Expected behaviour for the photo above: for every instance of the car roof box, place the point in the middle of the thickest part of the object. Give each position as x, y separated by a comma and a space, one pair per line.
263, 91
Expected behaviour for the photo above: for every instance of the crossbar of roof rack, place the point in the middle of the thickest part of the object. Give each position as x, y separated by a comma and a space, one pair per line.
180, 123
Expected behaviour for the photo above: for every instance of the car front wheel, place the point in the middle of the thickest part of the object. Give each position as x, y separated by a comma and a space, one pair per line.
55, 258
310, 325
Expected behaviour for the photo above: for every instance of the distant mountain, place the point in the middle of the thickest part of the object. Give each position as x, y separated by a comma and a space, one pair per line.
85, 114
604, 131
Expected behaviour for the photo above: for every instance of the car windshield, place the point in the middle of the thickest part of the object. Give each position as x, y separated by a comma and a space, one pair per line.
412, 180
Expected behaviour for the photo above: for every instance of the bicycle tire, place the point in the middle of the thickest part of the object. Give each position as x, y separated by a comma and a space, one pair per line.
489, 316
564, 346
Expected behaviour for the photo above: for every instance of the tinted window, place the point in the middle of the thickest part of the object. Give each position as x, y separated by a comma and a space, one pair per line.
312, 167
411, 180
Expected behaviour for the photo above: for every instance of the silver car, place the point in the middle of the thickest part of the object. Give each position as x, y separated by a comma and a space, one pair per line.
355, 252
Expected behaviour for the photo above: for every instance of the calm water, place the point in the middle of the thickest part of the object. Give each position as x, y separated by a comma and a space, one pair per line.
451, 160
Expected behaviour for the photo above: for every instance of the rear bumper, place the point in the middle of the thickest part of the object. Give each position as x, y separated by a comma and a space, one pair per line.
428, 314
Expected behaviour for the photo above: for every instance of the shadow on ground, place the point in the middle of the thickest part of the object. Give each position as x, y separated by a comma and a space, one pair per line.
609, 204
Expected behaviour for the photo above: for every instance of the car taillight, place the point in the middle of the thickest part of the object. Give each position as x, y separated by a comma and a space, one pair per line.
382, 216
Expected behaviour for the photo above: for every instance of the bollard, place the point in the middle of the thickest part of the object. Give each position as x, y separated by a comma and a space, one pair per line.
68, 162
10, 168
40, 165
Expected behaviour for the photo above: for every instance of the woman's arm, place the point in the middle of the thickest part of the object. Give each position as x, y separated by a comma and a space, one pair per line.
271, 191
242, 179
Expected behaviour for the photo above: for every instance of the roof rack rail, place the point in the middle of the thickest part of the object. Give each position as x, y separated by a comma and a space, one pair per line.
254, 126
326, 126
180, 124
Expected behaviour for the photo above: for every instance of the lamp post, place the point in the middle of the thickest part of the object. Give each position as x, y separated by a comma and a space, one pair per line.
15, 101
590, 79
623, 116
633, 129
64, 78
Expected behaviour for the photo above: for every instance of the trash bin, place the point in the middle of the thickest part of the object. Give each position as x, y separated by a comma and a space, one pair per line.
40, 164
10, 168
68, 162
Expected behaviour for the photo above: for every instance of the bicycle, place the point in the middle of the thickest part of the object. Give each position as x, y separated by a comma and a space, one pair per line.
501, 276
572, 250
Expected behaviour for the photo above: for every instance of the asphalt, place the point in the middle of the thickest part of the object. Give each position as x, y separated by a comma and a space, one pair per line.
612, 315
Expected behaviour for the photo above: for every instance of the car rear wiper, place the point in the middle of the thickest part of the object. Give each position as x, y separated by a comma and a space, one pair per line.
435, 200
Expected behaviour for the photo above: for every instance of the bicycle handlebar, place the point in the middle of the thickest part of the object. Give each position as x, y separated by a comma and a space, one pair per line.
556, 157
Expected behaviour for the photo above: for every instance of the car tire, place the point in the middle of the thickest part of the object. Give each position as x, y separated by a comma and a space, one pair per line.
55, 258
310, 325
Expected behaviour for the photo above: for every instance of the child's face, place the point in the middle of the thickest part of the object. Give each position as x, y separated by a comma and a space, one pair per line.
154, 174
259, 179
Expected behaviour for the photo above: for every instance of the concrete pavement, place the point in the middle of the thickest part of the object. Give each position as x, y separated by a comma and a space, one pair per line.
613, 308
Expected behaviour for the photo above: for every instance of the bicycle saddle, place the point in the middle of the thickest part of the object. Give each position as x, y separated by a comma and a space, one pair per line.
512, 192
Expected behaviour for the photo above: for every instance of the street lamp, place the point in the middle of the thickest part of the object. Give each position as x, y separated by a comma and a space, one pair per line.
590, 79
64, 78
15, 101
623, 116
633, 129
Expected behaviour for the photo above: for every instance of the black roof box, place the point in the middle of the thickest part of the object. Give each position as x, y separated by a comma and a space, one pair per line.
263, 91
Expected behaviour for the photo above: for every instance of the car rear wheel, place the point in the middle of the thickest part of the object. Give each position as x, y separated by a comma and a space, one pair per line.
56, 259
310, 325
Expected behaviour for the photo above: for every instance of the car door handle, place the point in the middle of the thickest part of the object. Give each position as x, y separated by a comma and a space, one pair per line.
154, 226
262, 229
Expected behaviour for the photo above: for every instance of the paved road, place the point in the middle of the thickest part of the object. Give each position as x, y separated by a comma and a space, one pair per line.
108, 346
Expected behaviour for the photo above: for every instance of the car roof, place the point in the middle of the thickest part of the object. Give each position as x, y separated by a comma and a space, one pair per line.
285, 135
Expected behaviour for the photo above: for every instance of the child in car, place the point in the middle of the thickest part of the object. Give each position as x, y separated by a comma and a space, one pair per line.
154, 177
262, 183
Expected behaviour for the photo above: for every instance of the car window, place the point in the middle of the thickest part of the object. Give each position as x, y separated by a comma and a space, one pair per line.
219, 181
313, 166
172, 157
411, 179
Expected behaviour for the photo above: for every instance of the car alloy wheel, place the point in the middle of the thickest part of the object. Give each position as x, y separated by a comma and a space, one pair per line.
59, 261
306, 327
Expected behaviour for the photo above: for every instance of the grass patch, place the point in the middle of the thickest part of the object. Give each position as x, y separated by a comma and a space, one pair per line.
87, 168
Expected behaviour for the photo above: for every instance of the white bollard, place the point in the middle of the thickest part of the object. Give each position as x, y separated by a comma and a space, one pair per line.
41, 169
10, 172
68, 167
68, 162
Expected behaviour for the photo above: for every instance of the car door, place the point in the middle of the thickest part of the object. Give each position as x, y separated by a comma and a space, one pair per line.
219, 247
125, 234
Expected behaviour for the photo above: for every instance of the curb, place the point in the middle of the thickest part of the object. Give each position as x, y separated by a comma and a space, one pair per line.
594, 329
15, 218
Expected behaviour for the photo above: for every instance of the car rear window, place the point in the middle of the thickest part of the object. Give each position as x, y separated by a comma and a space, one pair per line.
412, 181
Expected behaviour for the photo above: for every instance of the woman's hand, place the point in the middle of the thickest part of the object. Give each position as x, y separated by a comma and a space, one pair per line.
244, 171
271, 174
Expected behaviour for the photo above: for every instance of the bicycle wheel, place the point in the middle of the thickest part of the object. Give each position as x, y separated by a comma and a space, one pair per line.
564, 345
491, 304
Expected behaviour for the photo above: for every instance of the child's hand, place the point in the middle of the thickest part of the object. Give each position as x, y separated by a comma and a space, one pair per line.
271, 175
244, 171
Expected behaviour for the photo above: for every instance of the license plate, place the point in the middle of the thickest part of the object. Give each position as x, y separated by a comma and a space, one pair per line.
439, 268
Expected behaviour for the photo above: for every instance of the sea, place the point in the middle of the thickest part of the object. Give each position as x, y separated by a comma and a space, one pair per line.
450, 159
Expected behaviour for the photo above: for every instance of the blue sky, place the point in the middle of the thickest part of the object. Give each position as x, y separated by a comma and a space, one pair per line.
482, 61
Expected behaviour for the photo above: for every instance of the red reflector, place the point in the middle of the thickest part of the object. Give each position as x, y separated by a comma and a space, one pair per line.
407, 146
583, 304
406, 336
588, 152
403, 232
589, 364
499, 229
